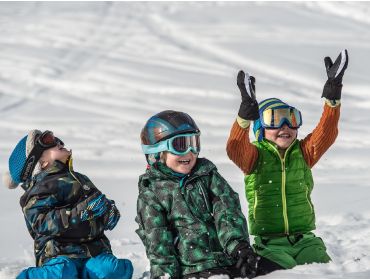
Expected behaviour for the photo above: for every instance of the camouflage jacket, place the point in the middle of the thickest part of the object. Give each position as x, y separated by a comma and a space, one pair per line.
48, 199
188, 224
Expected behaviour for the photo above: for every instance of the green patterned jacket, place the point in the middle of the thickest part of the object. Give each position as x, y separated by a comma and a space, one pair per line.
188, 224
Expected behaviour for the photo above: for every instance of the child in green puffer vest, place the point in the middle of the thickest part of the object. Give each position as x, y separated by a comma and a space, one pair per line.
277, 168
190, 219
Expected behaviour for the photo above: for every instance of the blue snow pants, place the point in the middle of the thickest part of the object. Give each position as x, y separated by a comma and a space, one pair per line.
102, 266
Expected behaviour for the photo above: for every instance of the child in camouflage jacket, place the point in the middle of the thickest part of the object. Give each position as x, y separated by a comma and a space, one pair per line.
277, 168
65, 213
190, 219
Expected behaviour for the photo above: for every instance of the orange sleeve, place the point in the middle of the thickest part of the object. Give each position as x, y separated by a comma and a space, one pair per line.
322, 137
240, 150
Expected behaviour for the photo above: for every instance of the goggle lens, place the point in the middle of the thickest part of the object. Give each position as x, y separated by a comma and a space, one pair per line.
275, 118
182, 144
47, 138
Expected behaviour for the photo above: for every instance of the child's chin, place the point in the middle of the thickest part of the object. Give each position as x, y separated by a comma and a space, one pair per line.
284, 144
185, 169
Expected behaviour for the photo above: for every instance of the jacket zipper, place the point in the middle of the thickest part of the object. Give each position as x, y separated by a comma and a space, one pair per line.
202, 192
205, 200
255, 205
283, 186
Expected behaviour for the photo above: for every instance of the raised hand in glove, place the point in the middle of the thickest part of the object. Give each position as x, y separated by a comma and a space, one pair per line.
249, 107
335, 71
247, 260
112, 216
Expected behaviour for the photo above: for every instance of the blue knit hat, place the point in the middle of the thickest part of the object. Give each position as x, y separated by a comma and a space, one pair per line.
269, 103
18, 159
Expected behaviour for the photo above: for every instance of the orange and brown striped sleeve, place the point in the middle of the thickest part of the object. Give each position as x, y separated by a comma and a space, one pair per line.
322, 137
240, 150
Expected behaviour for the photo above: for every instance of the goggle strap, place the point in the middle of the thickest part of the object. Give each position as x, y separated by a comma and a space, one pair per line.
31, 162
156, 148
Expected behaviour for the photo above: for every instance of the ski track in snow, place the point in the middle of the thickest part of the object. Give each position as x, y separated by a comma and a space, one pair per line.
95, 72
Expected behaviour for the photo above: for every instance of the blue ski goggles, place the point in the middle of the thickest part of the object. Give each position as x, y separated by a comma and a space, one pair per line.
275, 118
178, 145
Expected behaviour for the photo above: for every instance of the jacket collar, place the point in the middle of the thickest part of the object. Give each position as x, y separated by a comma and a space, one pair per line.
56, 167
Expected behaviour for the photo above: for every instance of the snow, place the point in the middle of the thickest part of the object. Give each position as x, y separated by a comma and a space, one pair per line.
94, 72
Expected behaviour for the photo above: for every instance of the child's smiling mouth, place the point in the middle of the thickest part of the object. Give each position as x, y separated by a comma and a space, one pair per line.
185, 162
284, 135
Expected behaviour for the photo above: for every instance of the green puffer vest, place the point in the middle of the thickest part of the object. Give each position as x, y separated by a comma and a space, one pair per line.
278, 192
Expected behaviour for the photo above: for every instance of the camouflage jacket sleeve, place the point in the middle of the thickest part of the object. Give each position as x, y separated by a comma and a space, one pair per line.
156, 236
230, 222
44, 217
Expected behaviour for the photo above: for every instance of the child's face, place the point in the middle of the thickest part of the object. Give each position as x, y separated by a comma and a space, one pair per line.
56, 153
181, 164
283, 136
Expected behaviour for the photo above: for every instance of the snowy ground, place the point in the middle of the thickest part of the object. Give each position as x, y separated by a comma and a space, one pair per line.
94, 72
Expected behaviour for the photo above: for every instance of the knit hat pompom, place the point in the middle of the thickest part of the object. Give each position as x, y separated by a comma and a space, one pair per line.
8, 181
18, 158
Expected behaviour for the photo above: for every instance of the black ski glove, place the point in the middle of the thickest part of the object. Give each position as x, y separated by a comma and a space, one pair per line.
249, 107
333, 86
247, 260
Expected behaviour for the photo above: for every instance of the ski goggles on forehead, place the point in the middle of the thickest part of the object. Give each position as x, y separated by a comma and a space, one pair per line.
178, 145
277, 117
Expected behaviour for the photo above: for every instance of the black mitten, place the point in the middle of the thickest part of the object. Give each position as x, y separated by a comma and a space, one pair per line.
249, 107
247, 260
333, 86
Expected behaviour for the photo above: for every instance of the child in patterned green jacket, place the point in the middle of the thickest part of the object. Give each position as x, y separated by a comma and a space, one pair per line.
190, 219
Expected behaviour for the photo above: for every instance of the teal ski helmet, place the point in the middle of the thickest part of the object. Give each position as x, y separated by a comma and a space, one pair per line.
165, 125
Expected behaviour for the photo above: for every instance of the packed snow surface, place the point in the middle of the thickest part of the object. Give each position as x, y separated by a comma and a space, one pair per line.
94, 72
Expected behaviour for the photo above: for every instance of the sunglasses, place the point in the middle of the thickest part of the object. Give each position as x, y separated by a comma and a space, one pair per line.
276, 118
178, 145
45, 141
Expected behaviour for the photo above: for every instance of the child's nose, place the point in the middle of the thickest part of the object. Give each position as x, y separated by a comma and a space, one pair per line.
285, 126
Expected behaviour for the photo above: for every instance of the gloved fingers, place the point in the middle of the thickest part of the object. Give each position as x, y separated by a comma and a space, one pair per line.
243, 271
328, 63
100, 211
94, 203
240, 78
239, 263
102, 202
246, 271
242, 86
113, 222
343, 63
252, 87
337, 69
